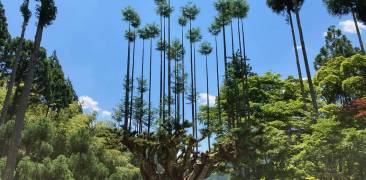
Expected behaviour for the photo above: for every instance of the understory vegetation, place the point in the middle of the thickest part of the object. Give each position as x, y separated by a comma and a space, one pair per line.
261, 126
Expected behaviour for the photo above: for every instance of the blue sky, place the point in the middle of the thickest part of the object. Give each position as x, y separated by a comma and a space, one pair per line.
88, 37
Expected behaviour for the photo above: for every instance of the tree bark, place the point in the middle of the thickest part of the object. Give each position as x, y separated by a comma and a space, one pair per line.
127, 84
208, 108
169, 70
183, 79
22, 108
308, 73
302, 87
218, 80
192, 78
150, 69
358, 32
142, 85
132, 83
10, 85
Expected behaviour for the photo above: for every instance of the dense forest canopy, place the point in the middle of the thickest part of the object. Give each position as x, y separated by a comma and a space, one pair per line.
260, 126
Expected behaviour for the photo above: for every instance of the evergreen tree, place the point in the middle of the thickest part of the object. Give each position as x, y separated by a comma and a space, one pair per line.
26, 16
343, 7
46, 14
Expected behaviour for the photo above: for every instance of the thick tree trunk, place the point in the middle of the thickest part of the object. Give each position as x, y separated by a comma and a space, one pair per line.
150, 69
218, 80
297, 61
10, 85
22, 108
127, 86
358, 32
132, 84
308, 73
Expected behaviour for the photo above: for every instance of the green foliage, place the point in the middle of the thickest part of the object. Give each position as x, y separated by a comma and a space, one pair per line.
336, 44
342, 79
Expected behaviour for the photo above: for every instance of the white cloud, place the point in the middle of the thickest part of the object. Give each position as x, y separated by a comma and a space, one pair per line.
348, 26
106, 113
89, 104
202, 99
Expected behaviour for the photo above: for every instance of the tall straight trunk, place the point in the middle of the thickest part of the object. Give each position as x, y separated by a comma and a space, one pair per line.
10, 85
161, 71
22, 108
183, 79
142, 85
239, 37
150, 69
310, 81
208, 108
225, 55
232, 39
192, 78
302, 87
169, 70
127, 84
218, 80
132, 82
358, 32
195, 91
243, 59
164, 71
246, 83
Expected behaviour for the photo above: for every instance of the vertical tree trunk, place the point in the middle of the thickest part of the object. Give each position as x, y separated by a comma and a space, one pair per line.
308, 73
132, 82
232, 39
169, 70
150, 68
22, 108
225, 55
358, 32
164, 71
183, 80
246, 83
192, 78
161, 72
10, 85
218, 80
297, 61
142, 85
127, 84
208, 108
195, 93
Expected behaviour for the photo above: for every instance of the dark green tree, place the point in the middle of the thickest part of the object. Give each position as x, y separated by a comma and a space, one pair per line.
153, 32
214, 29
130, 16
336, 44
206, 50
289, 7
190, 11
26, 16
343, 7
46, 12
